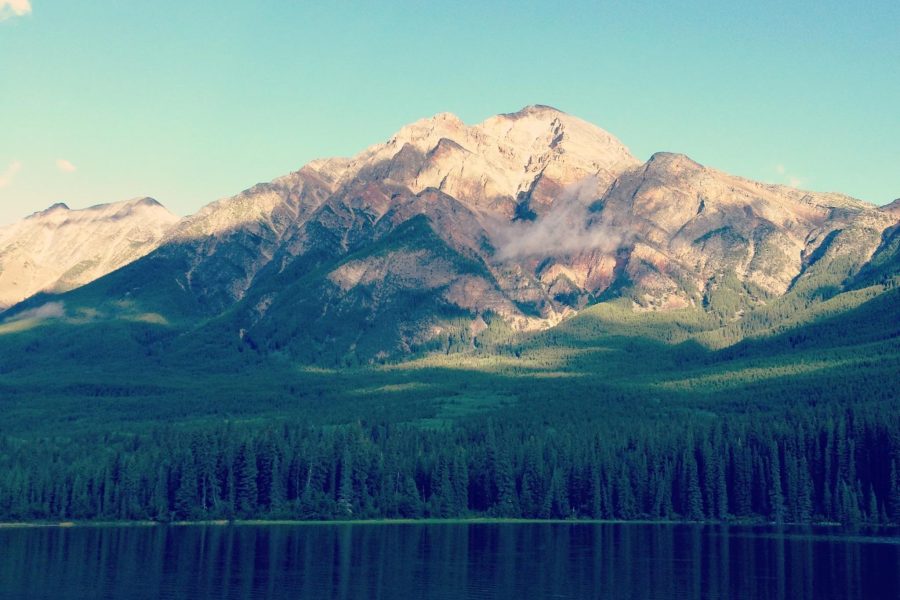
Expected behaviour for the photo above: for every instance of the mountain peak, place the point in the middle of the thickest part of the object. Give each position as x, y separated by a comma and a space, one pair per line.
137, 201
443, 124
533, 110
146, 201
528, 215
892, 208
447, 117
53, 208
673, 158
58, 248
492, 166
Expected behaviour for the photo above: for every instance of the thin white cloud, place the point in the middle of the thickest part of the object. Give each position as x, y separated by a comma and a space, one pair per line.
787, 178
566, 229
14, 8
50, 310
65, 166
7, 176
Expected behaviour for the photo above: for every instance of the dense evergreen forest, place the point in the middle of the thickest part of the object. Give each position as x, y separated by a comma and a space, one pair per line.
612, 415
814, 465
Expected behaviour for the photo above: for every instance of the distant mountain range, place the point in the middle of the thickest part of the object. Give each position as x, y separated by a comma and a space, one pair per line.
58, 249
444, 232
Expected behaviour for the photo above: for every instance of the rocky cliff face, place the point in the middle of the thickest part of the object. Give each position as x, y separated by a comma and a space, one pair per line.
562, 214
683, 228
519, 161
59, 249
892, 209
526, 218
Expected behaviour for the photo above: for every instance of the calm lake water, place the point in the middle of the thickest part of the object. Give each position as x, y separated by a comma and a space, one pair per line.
434, 561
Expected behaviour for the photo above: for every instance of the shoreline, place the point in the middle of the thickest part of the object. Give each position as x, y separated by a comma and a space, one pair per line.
401, 521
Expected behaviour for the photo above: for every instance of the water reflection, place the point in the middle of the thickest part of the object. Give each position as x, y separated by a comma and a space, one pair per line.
445, 561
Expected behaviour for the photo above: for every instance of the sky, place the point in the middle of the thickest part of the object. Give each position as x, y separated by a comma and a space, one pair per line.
189, 102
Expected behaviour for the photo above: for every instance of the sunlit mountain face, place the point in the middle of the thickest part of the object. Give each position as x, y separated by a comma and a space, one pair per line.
446, 232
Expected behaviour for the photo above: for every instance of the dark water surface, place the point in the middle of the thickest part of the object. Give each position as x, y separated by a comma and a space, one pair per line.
435, 561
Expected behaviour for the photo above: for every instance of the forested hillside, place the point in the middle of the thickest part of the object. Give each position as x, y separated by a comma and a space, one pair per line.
516, 318
614, 414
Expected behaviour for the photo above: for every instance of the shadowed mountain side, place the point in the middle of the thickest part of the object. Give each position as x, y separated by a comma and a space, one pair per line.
60, 375
398, 295
875, 320
884, 267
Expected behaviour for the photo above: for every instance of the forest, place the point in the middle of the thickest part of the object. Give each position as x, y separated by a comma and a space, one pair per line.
814, 465
612, 415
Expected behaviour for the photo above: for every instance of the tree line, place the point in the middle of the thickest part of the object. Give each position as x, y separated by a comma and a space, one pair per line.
840, 465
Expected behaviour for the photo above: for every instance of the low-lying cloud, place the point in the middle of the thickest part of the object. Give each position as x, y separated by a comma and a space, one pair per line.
566, 229
50, 310
14, 8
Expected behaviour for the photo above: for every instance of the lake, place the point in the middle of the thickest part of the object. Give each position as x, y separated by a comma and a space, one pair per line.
447, 560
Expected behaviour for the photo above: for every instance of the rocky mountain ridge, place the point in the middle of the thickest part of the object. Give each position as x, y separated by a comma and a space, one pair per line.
527, 218
59, 249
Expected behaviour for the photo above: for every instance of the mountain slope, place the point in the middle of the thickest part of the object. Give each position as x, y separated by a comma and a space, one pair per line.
59, 249
685, 230
447, 231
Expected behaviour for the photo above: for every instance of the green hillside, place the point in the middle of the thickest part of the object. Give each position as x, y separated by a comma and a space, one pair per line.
613, 414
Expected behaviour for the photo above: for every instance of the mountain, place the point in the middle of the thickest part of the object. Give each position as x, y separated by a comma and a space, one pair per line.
58, 249
892, 208
697, 233
447, 233
511, 319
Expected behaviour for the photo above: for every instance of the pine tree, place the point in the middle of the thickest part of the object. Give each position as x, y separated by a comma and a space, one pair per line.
597, 508
829, 479
693, 496
625, 501
442, 490
507, 499
872, 513
345, 491
743, 482
409, 502
186, 493
532, 483
160, 506
264, 479
560, 507
894, 492
805, 489
245, 490
460, 483
848, 505
277, 490
776, 496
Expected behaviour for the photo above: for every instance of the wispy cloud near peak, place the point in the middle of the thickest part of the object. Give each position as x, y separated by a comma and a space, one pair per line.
565, 229
788, 178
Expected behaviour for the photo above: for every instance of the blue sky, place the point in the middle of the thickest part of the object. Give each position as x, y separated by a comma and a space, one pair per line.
191, 101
